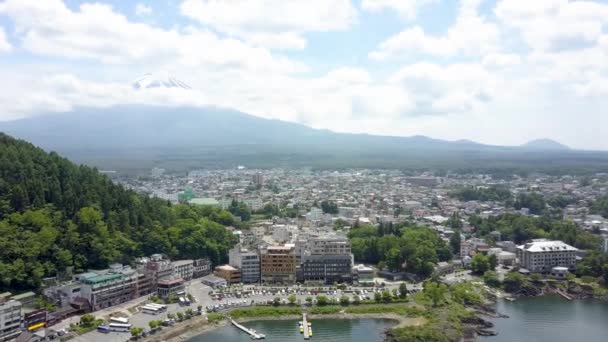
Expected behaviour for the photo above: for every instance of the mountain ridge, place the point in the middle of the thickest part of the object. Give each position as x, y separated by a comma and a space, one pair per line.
545, 144
157, 123
138, 137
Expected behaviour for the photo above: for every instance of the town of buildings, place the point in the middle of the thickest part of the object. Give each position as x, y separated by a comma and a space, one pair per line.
310, 246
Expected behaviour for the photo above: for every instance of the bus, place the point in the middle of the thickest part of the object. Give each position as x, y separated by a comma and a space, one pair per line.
103, 329
182, 301
121, 320
120, 327
161, 307
151, 310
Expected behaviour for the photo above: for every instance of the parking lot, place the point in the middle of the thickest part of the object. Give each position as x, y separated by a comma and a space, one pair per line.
218, 300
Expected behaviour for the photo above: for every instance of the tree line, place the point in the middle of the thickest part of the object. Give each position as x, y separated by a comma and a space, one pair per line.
400, 248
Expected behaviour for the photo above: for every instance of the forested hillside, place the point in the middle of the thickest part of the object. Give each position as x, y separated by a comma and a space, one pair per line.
55, 214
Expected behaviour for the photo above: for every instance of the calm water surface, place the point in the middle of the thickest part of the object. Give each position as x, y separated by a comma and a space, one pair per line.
551, 319
334, 330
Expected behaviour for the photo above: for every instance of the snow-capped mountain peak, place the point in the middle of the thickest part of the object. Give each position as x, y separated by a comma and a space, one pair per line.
160, 80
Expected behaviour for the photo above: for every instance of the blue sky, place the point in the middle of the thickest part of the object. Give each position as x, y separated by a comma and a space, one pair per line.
498, 72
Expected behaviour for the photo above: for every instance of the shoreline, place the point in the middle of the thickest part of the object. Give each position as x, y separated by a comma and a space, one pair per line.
198, 325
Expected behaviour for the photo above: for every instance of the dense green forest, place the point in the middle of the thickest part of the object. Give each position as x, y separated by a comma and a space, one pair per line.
55, 214
393, 245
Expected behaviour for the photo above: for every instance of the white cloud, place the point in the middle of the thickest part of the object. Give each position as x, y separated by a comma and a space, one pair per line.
272, 23
5, 46
283, 40
555, 25
407, 9
454, 88
97, 32
142, 9
471, 35
501, 60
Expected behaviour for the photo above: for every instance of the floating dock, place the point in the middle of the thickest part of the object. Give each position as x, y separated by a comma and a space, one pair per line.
306, 327
254, 335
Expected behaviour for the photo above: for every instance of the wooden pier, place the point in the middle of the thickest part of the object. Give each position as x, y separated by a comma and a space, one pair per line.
305, 326
564, 295
254, 335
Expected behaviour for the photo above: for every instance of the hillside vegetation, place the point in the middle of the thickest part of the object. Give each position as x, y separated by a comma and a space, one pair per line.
55, 214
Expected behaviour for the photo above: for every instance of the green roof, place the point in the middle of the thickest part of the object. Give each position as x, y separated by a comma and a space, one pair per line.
204, 201
102, 279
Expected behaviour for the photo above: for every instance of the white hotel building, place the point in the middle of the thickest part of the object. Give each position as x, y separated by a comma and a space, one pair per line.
542, 255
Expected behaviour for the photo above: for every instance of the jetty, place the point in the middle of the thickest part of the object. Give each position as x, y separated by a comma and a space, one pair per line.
306, 327
563, 294
254, 335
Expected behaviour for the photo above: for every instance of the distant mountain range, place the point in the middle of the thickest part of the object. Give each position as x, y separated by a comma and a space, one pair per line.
154, 134
166, 127
545, 144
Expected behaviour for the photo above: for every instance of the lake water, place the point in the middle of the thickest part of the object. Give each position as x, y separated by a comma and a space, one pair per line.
331, 330
551, 319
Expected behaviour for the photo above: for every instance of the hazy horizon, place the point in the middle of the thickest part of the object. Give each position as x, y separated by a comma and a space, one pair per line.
498, 72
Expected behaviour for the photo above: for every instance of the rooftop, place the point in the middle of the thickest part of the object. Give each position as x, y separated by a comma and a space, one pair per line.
170, 281
204, 201
546, 246
226, 268
97, 279
179, 263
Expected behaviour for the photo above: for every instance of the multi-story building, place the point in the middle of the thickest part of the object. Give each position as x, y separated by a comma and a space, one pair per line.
363, 274
183, 269
160, 268
247, 261
542, 255
278, 264
327, 259
258, 179
202, 267
170, 287
10, 320
108, 288
231, 274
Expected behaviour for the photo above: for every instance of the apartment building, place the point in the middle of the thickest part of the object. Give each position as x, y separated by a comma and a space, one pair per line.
278, 264
10, 320
160, 268
183, 269
542, 255
201, 267
248, 261
327, 259
117, 285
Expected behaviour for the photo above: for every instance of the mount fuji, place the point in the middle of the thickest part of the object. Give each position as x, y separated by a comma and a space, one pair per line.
159, 80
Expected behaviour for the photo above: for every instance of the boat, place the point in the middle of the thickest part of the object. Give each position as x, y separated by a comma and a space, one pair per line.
301, 327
